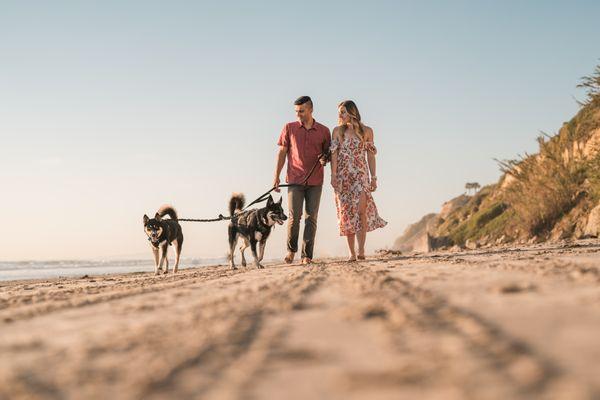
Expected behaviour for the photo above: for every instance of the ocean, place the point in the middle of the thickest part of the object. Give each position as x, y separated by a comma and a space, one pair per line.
17, 270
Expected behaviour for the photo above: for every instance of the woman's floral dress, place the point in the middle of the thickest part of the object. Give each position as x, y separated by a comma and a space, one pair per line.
352, 180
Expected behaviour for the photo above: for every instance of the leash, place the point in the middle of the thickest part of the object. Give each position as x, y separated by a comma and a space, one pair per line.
261, 198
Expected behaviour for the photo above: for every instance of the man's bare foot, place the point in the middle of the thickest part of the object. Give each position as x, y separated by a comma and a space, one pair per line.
289, 257
306, 260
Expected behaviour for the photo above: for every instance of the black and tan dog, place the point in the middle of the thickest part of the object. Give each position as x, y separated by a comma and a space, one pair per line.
162, 233
253, 226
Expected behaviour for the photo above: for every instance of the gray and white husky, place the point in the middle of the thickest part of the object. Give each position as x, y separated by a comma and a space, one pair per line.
162, 233
253, 226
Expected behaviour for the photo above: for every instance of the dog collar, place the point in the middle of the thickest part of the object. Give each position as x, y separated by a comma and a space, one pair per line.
158, 240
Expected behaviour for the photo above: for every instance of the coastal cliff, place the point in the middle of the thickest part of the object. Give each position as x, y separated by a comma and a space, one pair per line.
552, 195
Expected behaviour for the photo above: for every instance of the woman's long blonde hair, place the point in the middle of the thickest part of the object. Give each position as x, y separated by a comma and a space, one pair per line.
352, 111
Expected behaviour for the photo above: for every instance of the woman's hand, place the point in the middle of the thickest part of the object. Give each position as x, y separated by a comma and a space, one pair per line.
373, 185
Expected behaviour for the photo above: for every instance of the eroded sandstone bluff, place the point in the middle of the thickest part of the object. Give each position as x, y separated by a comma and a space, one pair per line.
553, 195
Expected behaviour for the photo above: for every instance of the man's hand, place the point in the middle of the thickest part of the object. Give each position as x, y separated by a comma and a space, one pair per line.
323, 159
276, 184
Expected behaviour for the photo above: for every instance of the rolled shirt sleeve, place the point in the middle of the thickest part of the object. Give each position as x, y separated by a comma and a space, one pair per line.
284, 137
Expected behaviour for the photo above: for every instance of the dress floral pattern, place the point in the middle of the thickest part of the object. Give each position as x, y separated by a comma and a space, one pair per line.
352, 181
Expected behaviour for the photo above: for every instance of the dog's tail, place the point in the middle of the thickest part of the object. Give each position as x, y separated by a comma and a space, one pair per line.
167, 210
236, 203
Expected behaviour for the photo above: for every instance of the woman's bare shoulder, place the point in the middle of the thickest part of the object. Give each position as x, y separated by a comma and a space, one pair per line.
368, 132
336, 132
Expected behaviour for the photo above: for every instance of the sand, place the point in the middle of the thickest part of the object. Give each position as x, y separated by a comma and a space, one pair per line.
504, 323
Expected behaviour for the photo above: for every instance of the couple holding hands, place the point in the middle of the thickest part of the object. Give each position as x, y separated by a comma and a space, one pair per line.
353, 176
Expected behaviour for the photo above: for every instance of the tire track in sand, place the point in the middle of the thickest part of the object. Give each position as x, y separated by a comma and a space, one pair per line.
70, 293
447, 337
231, 359
182, 355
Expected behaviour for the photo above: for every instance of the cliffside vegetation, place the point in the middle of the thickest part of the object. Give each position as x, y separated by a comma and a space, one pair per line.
547, 195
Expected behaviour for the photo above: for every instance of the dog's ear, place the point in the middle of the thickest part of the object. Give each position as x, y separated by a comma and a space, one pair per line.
146, 219
270, 201
279, 202
157, 217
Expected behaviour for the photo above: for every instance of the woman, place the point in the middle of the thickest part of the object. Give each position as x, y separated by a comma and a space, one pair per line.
352, 151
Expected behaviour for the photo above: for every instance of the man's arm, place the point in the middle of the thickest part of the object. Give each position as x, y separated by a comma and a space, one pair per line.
325, 156
279, 162
283, 143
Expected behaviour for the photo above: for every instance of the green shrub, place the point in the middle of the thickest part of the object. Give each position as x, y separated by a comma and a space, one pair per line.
474, 227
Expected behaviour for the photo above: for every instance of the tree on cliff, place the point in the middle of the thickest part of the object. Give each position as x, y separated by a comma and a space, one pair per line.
591, 84
474, 186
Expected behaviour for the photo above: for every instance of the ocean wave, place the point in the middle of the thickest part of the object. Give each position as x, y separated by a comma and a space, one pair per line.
82, 264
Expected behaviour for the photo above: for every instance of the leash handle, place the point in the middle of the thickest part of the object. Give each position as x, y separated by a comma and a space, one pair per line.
304, 181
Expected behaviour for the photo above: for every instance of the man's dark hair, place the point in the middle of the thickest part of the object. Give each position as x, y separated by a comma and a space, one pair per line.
302, 100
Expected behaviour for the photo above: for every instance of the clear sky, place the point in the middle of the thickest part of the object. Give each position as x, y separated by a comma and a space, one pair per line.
110, 109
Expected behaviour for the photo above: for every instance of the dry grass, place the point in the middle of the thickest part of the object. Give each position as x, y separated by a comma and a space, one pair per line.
546, 185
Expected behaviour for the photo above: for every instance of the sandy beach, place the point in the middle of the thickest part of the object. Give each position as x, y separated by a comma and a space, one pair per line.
500, 323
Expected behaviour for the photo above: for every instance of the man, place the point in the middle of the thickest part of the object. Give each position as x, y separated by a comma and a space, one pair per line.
302, 143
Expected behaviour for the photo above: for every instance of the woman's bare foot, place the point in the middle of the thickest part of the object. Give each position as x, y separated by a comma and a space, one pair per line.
352, 258
361, 253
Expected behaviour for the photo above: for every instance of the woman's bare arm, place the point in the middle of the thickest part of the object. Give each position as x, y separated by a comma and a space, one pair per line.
334, 156
369, 136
